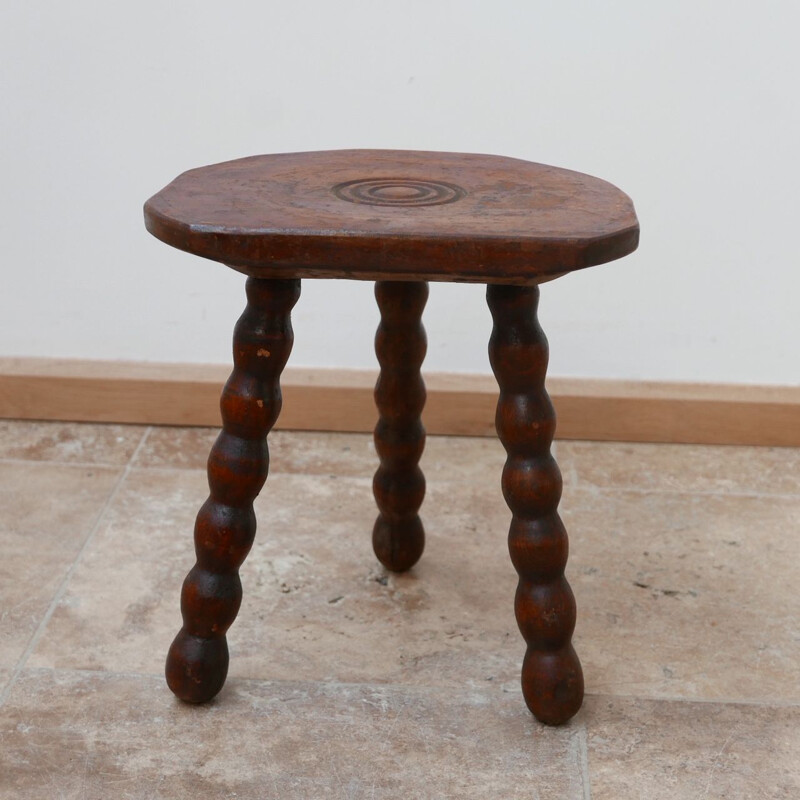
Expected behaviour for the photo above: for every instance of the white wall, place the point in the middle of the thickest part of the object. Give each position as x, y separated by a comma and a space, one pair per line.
690, 106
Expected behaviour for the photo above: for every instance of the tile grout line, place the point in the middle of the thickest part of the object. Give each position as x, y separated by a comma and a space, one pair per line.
54, 463
568, 484
583, 756
422, 688
722, 701
62, 587
135, 454
592, 489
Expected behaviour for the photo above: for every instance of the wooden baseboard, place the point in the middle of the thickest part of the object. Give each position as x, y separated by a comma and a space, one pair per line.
341, 400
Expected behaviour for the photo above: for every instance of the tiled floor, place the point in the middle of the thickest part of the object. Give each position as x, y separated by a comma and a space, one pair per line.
346, 682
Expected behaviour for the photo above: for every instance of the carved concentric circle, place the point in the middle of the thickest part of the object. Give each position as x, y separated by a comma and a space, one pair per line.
398, 192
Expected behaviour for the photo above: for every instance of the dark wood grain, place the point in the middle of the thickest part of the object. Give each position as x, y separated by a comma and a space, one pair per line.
395, 215
401, 218
398, 537
552, 680
197, 663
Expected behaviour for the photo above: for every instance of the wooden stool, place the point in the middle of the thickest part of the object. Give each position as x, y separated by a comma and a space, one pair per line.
400, 218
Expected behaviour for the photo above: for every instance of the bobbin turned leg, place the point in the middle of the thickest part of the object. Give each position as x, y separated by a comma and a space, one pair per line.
197, 662
398, 537
552, 680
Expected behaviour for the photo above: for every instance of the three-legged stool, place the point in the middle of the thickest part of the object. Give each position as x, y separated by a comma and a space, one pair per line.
401, 219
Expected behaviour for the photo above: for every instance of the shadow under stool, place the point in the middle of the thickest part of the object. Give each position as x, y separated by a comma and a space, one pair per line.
402, 219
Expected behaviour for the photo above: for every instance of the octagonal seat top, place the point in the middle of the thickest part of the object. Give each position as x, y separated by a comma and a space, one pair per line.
395, 215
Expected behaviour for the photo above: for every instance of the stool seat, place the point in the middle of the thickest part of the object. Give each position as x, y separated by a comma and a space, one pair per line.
395, 214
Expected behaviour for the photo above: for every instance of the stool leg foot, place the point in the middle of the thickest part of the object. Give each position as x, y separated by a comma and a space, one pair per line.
552, 680
197, 662
398, 537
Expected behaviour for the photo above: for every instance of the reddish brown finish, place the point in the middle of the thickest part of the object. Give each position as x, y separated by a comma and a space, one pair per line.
401, 218
398, 537
197, 663
401, 215
552, 680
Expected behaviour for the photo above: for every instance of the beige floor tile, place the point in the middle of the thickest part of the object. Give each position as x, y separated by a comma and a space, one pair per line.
679, 596
182, 448
69, 442
320, 453
650, 750
46, 513
313, 453
95, 736
681, 467
317, 604
473, 458
687, 596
